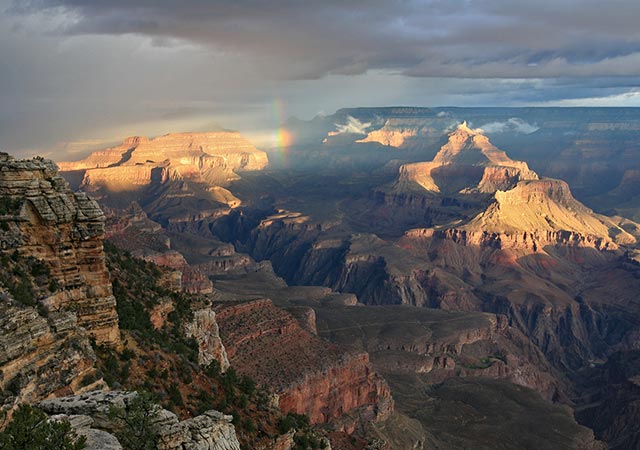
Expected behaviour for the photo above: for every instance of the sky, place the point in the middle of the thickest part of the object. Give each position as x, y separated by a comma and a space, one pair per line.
76, 75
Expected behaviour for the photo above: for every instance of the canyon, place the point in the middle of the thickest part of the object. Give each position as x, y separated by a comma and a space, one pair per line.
421, 271
499, 240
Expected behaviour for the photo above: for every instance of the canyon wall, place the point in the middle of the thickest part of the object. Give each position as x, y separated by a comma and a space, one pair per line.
309, 375
57, 292
65, 230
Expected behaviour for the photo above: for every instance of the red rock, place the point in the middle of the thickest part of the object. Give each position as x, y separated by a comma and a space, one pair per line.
310, 375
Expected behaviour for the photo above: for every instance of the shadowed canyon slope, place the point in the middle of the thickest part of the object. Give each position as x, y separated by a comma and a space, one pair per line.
500, 240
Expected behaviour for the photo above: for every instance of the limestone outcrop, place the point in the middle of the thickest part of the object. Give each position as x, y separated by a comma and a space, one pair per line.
204, 329
45, 220
210, 431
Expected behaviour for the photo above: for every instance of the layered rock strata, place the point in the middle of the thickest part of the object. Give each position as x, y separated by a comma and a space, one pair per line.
207, 158
65, 230
438, 345
508, 197
42, 357
309, 375
467, 158
131, 229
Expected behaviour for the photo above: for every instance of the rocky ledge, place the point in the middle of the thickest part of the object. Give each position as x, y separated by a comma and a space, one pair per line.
42, 218
210, 431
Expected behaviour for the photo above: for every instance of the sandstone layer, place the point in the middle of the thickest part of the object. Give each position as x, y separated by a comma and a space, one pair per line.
209, 158
42, 357
309, 375
65, 230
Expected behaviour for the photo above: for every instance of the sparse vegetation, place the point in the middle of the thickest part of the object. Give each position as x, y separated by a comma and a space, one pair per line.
26, 279
31, 429
305, 437
10, 206
135, 421
164, 362
137, 288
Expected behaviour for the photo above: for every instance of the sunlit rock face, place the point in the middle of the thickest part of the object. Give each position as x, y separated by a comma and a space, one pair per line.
66, 231
389, 136
211, 159
45, 339
180, 149
468, 162
511, 203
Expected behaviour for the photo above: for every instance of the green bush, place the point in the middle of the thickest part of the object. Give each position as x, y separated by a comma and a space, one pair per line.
10, 206
175, 397
247, 385
136, 423
31, 429
293, 420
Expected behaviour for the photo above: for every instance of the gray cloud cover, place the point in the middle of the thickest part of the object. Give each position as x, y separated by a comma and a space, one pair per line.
85, 70
454, 38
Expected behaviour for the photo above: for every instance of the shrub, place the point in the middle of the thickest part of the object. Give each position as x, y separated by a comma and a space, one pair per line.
136, 423
88, 379
293, 420
247, 385
31, 429
175, 396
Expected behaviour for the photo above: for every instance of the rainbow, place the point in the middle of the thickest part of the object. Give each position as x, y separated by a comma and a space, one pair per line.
282, 138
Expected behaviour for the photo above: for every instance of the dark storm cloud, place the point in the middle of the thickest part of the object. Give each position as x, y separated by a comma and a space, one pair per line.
89, 71
455, 38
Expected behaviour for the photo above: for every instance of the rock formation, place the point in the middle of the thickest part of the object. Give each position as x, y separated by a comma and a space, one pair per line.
389, 135
130, 229
210, 159
468, 163
438, 345
57, 292
209, 431
309, 375
510, 198
41, 357
65, 230
204, 329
